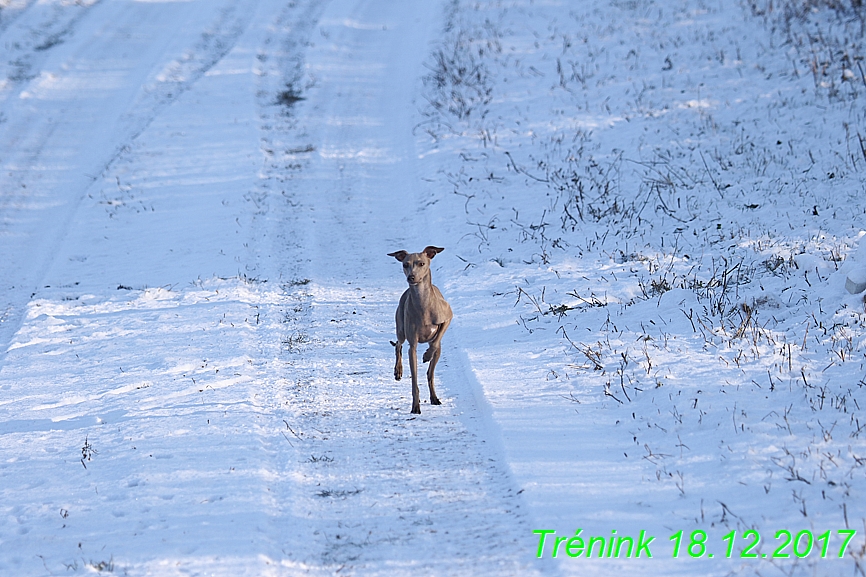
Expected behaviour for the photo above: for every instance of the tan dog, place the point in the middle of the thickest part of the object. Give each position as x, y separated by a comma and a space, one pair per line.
422, 316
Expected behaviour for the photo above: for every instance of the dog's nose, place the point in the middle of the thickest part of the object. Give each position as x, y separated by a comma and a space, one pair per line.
411, 278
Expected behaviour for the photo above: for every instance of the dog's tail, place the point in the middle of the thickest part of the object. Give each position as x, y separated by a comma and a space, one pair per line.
393, 344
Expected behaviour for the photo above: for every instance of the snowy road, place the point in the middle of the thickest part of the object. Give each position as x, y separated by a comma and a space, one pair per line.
197, 302
382, 492
650, 211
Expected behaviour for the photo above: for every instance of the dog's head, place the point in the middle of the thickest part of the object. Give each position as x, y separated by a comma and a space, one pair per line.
416, 265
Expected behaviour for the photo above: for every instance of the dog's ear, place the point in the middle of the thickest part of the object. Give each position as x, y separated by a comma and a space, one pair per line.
432, 251
399, 255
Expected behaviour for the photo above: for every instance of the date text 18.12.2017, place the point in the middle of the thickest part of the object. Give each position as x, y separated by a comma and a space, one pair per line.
785, 545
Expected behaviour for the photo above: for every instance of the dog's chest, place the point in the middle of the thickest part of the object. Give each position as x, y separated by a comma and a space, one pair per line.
426, 323
424, 315
427, 332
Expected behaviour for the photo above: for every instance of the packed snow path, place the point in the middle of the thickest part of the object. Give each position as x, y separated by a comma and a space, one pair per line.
196, 376
383, 492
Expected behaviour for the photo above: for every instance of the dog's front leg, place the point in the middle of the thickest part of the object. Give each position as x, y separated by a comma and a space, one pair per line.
428, 354
435, 344
413, 368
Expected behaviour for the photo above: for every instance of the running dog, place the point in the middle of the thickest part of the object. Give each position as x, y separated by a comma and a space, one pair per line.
423, 316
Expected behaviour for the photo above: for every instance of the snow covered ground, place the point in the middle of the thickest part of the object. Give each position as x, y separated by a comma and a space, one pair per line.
650, 212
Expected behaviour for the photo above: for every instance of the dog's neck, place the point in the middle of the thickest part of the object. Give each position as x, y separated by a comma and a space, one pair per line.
424, 289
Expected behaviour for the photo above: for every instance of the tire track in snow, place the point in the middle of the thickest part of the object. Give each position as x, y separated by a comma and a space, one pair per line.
30, 32
83, 95
12, 11
375, 491
173, 388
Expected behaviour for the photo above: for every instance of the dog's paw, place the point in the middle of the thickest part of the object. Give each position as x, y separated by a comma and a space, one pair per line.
428, 354
398, 373
435, 401
416, 410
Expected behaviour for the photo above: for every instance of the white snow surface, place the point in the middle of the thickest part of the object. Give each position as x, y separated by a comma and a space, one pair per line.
650, 211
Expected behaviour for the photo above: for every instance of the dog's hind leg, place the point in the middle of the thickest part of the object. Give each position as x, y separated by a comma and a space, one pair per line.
401, 337
398, 365
434, 400
413, 368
